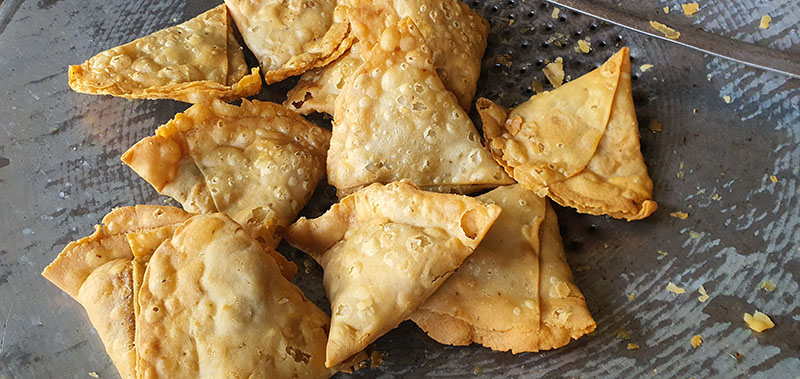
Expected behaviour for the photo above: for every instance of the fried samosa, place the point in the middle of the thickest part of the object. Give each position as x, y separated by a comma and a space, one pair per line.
578, 144
455, 34
195, 61
258, 163
384, 250
395, 120
97, 272
290, 37
515, 292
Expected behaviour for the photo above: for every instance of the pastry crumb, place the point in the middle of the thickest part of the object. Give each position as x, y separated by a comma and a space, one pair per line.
93, 374
680, 215
758, 321
477, 370
584, 46
632, 346
581, 268
727, 99
773, 178
765, 21
690, 9
376, 358
662, 253
703, 294
716, 197
631, 296
694, 235
671, 287
645, 67
537, 86
666, 10
510, 21
655, 126
623, 334
554, 72
665, 30
505, 60
697, 340
556, 11
768, 285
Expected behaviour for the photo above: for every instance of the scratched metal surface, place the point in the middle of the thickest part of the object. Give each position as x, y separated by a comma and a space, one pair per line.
60, 173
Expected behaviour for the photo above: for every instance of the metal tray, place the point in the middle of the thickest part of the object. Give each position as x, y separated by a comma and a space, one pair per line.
60, 173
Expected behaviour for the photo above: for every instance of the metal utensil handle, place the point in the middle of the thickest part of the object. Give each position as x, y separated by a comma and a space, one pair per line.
698, 39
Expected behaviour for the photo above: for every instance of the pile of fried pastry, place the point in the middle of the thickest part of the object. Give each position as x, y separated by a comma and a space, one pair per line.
202, 292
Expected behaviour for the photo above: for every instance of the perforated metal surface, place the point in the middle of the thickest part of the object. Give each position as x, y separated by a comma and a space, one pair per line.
60, 173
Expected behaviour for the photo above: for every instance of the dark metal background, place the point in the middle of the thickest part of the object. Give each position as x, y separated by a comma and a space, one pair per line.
60, 173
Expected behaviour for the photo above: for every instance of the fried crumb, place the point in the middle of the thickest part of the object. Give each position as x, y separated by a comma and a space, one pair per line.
555, 72
662, 253
716, 197
581, 268
665, 30
623, 334
584, 46
505, 60
680, 215
510, 21
758, 321
477, 370
694, 235
671, 287
93, 374
645, 67
765, 21
537, 86
632, 346
768, 285
697, 340
631, 296
773, 178
694, 111
376, 358
555, 13
666, 10
727, 99
690, 9
703, 294
655, 126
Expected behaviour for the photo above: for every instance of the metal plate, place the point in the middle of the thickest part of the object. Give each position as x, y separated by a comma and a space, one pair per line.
60, 173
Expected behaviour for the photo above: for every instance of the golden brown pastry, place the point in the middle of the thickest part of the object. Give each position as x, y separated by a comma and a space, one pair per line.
395, 120
384, 250
290, 37
578, 144
197, 60
97, 272
213, 304
258, 163
455, 34
515, 292
317, 89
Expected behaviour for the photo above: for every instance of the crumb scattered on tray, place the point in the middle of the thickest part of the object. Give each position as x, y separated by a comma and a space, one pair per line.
645, 67
758, 321
554, 72
623, 334
662, 253
631, 296
581, 268
727, 99
584, 46
93, 374
555, 13
765, 21
694, 235
716, 197
537, 86
504, 60
680, 215
671, 287
376, 358
665, 30
690, 8
655, 126
773, 178
510, 21
477, 370
666, 10
768, 285
632, 346
697, 340
703, 294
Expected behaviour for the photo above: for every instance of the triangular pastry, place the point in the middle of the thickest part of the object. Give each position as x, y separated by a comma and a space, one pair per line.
578, 144
290, 37
515, 292
97, 272
258, 163
212, 304
455, 34
384, 250
395, 120
197, 60
316, 91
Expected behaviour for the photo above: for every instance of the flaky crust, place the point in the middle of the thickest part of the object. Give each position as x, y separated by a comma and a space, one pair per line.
515, 292
578, 144
191, 62
291, 37
258, 162
455, 34
212, 303
385, 249
395, 120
